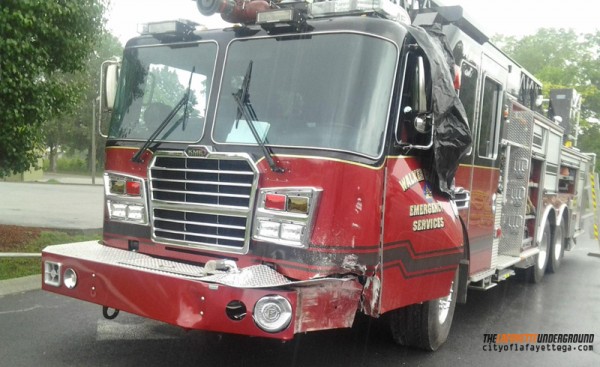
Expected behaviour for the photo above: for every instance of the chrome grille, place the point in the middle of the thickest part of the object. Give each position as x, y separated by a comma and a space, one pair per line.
202, 202
202, 181
199, 228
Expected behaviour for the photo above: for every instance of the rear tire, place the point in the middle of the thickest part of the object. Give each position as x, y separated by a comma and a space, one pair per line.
557, 250
536, 272
425, 325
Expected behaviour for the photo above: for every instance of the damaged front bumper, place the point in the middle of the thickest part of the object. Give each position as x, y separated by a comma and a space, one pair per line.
254, 301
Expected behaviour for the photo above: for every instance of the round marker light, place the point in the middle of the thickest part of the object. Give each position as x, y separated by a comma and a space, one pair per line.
272, 313
70, 278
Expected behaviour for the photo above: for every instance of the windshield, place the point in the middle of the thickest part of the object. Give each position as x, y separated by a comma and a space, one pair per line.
324, 91
153, 80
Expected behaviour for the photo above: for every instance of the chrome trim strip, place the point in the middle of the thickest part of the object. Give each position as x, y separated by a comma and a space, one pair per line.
232, 211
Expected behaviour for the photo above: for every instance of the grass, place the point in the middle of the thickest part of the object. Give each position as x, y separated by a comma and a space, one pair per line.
34, 240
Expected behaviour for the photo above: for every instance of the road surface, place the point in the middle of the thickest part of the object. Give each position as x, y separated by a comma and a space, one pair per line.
72, 206
43, 329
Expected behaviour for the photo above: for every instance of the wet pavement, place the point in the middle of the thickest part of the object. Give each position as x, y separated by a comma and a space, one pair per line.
39, 328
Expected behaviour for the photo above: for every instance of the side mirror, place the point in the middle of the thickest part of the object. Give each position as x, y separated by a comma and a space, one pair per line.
109, 81
420, 93
110, 71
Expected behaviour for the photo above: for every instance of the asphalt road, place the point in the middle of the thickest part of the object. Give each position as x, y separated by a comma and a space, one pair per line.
42, 329
73, 206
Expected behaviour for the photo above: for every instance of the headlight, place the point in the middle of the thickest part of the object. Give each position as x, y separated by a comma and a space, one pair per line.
126, 199
70, 278
285, 215
135, 212
268, 229
291, 232
117, 210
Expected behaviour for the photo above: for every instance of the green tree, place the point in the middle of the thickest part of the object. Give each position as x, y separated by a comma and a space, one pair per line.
561, 59
42, 42
169, 90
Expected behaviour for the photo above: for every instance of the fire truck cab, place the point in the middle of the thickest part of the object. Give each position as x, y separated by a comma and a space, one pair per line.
321, 159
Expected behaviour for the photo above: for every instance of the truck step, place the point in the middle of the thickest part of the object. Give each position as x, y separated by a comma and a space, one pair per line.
529, 253
483, 284
504, 261
481, 275
527, 241
503, 275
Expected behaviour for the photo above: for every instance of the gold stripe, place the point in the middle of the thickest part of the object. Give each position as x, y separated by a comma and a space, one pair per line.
338, 160
121, 148
476, 166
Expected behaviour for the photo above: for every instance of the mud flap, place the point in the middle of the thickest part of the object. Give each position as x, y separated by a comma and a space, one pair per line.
463, 280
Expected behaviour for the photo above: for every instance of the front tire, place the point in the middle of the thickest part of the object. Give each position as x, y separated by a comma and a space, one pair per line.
425, 325
557, 252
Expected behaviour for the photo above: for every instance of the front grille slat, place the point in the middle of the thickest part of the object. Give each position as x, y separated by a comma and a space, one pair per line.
200, 223
202, 202
204, 193
212, 183
203, 235
203, 171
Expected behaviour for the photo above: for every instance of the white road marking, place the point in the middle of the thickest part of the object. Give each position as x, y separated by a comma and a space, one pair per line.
19, 311
147, 330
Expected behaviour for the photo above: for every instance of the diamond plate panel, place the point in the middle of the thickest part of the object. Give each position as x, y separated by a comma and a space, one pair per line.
256, 276
513, 211
519, 128
519, 132
165, 266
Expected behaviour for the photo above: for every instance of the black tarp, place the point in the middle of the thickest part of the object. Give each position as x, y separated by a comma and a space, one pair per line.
451, 135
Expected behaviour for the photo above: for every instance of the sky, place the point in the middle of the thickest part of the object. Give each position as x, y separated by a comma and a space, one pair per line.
508, 17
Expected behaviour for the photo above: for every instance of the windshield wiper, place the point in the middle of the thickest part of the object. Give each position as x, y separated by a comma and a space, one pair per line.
137, 158
242, 98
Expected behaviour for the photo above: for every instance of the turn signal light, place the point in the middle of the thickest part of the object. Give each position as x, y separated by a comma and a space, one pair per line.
133, 188
275, 202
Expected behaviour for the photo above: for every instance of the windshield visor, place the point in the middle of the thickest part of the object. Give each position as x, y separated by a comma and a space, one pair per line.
153, 80
322, 91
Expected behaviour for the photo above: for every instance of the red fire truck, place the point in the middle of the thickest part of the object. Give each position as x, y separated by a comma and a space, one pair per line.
319, 159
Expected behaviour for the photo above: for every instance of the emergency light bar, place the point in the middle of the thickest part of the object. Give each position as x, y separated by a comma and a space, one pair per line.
175, 27
387, 9
287, 12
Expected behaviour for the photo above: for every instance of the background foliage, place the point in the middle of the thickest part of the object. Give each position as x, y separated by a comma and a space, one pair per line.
42, 43
561, 58
51, 51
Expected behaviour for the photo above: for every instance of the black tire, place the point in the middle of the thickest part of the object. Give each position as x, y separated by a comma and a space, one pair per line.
425, 325
557, 250
536, 272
